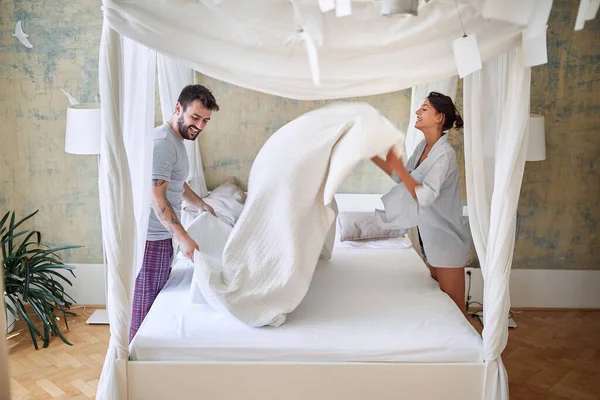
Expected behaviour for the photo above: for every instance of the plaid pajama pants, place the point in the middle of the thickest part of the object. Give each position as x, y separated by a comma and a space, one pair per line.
153, 276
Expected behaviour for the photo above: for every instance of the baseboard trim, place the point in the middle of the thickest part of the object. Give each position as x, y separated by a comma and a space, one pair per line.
553, 309
88, 285
91, 306
547, 289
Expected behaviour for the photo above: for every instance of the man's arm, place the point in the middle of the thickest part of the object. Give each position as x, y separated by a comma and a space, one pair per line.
194, 200
167, 217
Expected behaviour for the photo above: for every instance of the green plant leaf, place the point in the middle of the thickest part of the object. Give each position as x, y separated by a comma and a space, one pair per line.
26, 283
44, 317
34, 273
49, 266
60, 335
49, 256
13, 227
21, 309
2, 221
65, 318
48, 297
33, 331
26, 242
15, 277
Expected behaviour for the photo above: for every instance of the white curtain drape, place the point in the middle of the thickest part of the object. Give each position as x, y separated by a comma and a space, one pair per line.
126, 162
139, 69
117, 212
445, 86
496, 117
173, 76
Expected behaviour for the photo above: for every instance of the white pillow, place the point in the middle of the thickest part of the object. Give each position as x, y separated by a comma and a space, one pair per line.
226, 199
363, 226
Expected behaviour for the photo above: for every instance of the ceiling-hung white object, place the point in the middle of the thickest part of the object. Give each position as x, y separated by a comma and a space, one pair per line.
363, 53
588, 9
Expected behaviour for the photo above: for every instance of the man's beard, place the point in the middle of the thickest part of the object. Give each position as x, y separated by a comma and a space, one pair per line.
184, 130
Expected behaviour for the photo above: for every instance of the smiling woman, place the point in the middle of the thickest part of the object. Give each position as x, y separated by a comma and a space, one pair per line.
429, 185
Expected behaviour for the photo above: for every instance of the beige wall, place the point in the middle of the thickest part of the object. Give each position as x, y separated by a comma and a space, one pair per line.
559, 207
558, 221
35, 172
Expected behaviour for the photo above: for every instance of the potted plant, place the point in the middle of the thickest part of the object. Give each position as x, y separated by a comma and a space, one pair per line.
32, 280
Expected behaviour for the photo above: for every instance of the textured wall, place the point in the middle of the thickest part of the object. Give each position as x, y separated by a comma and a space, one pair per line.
558, 211
35, 172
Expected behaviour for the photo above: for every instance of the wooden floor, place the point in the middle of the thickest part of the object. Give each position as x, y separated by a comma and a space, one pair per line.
551, 355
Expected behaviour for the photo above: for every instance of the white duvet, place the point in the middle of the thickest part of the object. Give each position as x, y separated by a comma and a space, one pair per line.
260, 270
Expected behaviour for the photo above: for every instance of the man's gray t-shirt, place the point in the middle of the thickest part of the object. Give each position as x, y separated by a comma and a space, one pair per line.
169, 163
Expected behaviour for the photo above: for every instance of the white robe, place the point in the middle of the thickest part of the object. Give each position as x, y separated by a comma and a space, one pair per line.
436, 210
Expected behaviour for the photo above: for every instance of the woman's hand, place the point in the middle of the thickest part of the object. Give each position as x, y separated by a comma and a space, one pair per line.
383, 164
397, 166
392, 158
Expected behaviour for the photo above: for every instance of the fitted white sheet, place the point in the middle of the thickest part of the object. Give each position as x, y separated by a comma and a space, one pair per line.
364, 305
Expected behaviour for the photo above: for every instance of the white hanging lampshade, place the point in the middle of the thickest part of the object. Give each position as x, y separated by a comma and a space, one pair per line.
84, 129
536, 144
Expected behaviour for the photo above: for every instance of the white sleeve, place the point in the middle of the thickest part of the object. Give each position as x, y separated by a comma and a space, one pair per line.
429, 189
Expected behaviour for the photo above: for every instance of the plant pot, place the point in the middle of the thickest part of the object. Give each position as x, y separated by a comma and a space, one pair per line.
10, 319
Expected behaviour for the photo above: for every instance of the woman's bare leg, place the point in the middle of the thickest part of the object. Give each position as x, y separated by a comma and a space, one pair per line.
452, 282
433, 272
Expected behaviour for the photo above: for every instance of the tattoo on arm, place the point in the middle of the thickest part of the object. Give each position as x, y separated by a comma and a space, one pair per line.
163, 209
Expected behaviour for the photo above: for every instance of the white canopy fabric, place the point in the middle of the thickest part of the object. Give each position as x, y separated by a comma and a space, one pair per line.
496, 117
116, 210
138, 87
261, 45
258, 44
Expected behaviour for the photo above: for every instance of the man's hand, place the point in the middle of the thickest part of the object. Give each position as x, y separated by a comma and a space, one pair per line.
187, 246
195, 201
203, 207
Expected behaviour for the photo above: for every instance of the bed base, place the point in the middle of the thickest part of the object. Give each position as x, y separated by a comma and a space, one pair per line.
287, 381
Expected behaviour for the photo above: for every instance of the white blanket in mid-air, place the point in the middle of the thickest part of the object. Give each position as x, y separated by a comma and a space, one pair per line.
260, 270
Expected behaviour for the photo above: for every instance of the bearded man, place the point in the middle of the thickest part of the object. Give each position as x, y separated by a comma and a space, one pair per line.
170, 168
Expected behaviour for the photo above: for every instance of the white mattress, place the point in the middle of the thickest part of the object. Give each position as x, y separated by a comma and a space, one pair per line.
364, 305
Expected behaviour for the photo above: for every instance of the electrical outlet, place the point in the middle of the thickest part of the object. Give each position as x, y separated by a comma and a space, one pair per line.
465, 211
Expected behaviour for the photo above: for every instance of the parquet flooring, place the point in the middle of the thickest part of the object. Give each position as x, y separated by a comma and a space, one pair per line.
59, 371
554, 355
551, 355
